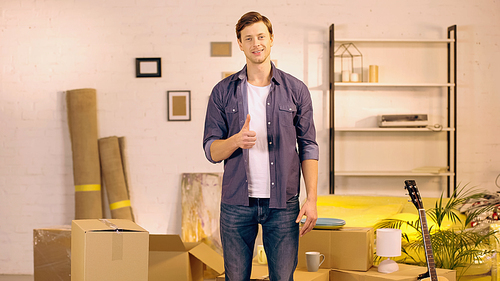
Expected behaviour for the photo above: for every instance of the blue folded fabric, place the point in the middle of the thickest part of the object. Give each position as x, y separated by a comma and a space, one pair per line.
327, 223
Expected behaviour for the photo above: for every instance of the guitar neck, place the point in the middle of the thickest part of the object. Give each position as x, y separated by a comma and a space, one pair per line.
427, 246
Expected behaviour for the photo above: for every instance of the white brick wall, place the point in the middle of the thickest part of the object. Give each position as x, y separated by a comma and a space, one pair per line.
49, 46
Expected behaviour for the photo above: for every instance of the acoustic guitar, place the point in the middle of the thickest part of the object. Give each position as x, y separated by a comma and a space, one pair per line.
430, 275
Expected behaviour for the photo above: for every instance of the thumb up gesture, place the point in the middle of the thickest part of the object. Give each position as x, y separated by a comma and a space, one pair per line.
246, 138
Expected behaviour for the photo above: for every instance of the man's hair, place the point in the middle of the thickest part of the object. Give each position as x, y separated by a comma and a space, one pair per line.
249, 19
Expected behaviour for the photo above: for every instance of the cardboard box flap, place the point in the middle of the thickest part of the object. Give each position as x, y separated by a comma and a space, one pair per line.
87, 225
122, 224
108, 225
162, 242
207, 255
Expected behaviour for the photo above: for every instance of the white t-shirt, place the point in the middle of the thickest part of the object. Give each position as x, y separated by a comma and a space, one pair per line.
259, 178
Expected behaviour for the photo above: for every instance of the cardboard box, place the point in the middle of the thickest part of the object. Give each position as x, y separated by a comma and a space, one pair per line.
52, 253
405, 273
171, 259
346, 248
113, 249
260, 272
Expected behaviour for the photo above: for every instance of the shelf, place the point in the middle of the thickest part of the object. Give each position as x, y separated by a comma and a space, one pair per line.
391, 174
347, 129
395, 40
358, 84
419, 83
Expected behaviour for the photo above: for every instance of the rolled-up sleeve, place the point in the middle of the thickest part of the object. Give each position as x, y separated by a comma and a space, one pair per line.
306, 131
215, 124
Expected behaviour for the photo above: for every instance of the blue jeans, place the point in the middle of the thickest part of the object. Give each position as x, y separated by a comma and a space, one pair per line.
280, 234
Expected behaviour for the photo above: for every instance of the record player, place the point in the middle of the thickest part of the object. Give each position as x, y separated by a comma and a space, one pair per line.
402, 120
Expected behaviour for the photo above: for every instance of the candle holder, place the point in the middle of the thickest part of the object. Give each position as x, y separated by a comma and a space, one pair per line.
351, 62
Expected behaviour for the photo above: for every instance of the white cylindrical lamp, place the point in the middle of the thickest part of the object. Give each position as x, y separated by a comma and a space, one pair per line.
388, 245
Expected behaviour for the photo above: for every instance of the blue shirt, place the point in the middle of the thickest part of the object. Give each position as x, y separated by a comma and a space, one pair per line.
290, 130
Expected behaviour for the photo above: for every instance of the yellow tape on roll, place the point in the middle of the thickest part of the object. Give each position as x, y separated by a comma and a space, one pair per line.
119, 204
88, 187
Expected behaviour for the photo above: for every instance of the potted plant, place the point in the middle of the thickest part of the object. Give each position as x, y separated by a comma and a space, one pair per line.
459, 248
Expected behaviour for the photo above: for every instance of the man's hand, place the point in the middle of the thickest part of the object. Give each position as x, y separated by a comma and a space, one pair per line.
245, 138
309, 210
223, 148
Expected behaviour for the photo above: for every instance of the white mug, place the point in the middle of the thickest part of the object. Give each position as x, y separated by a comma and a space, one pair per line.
313, 261
261, 255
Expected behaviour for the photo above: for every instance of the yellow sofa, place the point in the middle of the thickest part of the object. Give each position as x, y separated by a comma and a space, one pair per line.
366, 211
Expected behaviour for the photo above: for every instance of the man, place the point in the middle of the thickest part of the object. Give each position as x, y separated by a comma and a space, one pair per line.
256, 120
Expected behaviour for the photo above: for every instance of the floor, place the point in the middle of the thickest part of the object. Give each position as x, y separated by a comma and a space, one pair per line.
16, 277
30, 278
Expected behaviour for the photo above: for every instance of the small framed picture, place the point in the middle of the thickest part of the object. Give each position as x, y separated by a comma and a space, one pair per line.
179, 105
148, 67
220, 49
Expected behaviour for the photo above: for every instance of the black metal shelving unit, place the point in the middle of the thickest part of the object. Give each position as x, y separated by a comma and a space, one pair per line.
451, 108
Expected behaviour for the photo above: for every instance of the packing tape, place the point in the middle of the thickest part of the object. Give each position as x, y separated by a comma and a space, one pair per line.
87, 187
119, 204
116, 241
117, 251
110, 224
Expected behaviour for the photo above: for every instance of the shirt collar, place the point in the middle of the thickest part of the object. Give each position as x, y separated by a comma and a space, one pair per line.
242, 75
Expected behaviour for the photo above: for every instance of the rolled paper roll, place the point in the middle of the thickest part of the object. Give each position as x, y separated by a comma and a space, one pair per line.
122, 143
82, 122
354, 77
114, 178
346, 76
373, 74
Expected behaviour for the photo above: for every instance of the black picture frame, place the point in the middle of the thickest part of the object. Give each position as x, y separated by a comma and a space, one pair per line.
147, 67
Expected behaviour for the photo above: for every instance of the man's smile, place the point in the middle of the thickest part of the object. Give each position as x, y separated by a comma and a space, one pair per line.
257, 52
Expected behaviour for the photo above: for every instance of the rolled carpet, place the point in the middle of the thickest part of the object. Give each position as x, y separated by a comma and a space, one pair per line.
122, 143
114, 178
82, 122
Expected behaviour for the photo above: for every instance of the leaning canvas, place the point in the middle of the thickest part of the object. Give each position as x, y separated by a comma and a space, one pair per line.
201, 193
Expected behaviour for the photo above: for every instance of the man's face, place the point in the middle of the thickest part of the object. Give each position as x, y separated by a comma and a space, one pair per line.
256, 43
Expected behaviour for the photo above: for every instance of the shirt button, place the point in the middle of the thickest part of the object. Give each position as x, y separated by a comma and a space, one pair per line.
272, 184
268, 123
234, 110
268, 103
270, 142
272, 163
